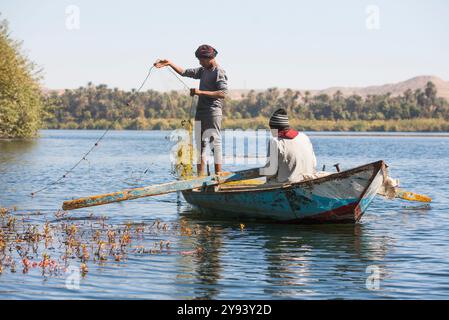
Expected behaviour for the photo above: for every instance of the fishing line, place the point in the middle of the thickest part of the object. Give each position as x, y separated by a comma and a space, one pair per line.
185, 86
51, 184
180, 80
188, 125
84, 157
136, 181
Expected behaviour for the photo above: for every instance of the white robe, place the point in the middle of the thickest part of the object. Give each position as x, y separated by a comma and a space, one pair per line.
296, 160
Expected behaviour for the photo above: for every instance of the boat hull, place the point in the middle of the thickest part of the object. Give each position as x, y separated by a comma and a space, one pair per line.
338, 198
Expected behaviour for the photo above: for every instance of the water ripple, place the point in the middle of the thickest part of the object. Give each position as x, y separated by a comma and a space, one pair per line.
406, 242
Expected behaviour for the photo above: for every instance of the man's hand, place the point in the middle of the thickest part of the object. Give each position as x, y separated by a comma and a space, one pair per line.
195, 92
161, 63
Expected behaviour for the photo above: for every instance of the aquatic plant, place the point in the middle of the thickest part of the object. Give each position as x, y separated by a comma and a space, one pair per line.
51, 247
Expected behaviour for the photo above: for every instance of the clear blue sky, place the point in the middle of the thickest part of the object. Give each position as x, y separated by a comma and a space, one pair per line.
297, 44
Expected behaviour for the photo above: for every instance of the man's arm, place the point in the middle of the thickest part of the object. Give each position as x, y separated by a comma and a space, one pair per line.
222, 86
164, 63
211, 94
194, 73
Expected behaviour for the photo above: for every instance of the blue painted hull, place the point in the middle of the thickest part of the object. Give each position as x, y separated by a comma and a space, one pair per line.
339, 197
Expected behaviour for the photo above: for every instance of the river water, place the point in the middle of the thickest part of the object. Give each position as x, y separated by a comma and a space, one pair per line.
399, 249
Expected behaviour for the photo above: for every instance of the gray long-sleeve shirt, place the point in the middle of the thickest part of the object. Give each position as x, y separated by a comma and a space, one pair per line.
213, 79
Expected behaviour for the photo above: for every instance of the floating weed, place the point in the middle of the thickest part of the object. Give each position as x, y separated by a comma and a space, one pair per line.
60, 214
125, 239
96, 236
26, 265
140, 229
50, 247
84, 269
3, 212
85, 253
111, 236
11, 223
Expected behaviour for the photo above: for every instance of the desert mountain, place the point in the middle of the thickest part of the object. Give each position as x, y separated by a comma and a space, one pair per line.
394, 88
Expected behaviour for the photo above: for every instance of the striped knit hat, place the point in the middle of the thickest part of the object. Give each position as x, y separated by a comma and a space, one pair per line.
279, 119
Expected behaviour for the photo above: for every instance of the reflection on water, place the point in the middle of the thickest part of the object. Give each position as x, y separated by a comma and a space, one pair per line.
213, 257
14, 151
205, 265
293, 256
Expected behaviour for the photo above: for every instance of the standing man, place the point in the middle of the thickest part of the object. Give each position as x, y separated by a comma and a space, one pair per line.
212, 90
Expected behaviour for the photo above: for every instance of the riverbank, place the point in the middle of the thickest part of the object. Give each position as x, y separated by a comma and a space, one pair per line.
409, 125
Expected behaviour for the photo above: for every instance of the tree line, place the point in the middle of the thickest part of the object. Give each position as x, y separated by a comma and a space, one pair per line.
97, 107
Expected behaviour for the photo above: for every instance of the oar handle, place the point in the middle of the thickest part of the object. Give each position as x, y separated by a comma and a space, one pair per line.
188, 184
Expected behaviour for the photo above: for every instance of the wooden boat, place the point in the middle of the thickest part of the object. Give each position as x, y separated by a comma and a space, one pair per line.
340, 197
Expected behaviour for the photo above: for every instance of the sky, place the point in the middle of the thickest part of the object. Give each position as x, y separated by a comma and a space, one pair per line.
261, 44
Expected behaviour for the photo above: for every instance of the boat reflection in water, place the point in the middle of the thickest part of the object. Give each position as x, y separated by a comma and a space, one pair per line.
283, 261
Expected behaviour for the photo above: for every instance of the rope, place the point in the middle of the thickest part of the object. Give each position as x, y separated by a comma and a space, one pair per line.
187, 87
186, 170
51, 184
135, 181
84, 157
180, 80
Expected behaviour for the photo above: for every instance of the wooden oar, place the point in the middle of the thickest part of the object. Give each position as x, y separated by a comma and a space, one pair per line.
391, 190
158, 189
411, 196
405, 195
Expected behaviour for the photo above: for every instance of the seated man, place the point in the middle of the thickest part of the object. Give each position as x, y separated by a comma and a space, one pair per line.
295, 156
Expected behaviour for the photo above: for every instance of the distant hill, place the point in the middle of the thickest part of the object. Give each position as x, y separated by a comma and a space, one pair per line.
394, 88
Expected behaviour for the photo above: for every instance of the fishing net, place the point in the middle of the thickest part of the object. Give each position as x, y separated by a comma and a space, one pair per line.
183, 162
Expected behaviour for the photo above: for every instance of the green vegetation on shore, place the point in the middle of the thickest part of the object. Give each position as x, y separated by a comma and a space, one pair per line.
98, 107
407, 125
20, 94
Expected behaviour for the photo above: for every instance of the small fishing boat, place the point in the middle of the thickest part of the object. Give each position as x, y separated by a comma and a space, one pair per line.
341, 197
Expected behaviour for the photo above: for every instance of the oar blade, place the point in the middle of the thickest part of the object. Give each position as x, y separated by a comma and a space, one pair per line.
411, 196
